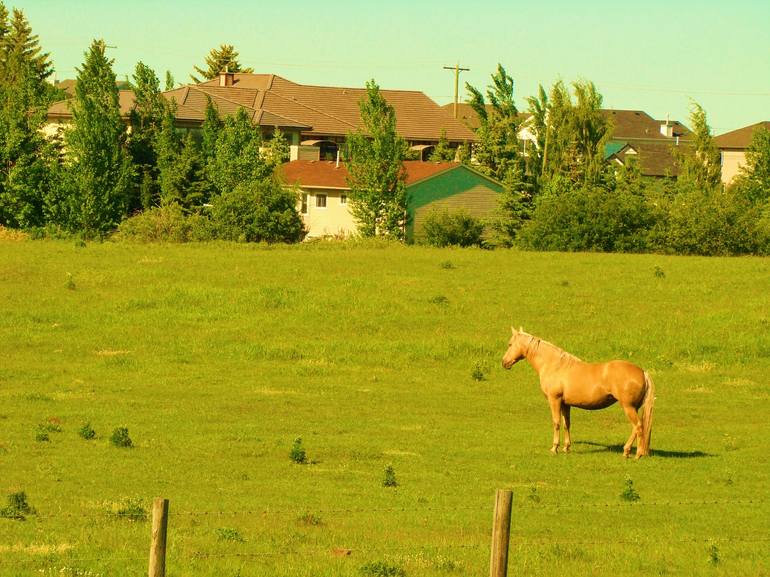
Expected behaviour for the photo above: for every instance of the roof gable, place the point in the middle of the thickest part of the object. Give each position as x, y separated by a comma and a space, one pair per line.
740, 138
332, 175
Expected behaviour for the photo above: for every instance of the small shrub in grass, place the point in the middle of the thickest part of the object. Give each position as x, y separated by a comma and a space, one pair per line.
229, 534
18, 508
120, 438
297, 453
43, 430
310, 520
381, 569
629, 493
87, 432
132, 509
439, 300
714, 557
390, 477
70, 284
447, 265
477, 374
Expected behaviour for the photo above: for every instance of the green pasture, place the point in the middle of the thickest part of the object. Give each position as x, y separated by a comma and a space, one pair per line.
216, 357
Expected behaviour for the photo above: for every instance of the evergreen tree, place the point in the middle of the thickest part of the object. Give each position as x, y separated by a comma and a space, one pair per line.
99, 166
212, 127
169, 81
376, 169
20, 47
276, 150
146, 119
218, 60
442, 151
26, 158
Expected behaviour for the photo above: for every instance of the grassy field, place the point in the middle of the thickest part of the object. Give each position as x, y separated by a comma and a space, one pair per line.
217, 357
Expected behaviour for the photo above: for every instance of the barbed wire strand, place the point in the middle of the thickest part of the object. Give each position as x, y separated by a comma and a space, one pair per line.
521, 504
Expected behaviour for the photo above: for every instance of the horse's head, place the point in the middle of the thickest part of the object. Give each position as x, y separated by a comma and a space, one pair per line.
516, 348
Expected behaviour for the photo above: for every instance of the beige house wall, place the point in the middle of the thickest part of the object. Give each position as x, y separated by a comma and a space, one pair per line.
732, 161
332, 220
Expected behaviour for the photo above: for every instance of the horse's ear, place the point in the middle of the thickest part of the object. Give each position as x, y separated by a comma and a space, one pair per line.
521, 329
513, 331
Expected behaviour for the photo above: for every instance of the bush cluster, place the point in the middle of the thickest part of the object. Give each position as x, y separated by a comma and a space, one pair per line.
654, 216
452, 228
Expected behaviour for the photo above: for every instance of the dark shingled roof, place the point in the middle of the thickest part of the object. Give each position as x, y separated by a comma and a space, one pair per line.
328, 174
739, 139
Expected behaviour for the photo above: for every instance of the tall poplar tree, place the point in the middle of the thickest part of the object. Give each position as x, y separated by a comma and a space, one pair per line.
376, 173
99, 166
498, 150
700, 164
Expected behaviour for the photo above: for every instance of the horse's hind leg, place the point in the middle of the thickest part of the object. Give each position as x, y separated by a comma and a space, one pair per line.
556, 406
565, 414
636, 431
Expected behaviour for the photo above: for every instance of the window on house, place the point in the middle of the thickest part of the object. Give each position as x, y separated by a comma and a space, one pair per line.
304, 204
343, 199
320, 200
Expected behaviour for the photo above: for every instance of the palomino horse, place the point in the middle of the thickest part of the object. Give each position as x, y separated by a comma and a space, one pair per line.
568, 382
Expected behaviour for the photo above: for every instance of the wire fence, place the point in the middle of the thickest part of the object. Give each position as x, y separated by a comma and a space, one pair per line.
523, 536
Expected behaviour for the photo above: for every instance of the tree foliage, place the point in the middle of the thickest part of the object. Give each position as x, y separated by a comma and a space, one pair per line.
700, 164
146, 120
452, 228
754, 175
442, 151
376, 172
224, 58
498, 151
28, 162
99, 167
237, 156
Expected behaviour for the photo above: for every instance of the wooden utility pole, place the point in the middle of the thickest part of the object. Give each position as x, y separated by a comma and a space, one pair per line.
158, 546
501, 534
457, 70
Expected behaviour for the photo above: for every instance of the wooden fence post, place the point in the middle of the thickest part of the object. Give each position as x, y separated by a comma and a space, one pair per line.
158, 545
501, 534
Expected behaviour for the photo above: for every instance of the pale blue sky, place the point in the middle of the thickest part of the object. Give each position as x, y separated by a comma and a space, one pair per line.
654, 56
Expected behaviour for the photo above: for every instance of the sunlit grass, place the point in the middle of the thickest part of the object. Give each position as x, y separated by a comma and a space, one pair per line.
217, 357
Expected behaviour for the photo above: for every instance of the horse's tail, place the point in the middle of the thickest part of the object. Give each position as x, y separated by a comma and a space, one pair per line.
647, 405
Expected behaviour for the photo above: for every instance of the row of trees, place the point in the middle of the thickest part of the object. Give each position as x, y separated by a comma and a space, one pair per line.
561, 194
92, 176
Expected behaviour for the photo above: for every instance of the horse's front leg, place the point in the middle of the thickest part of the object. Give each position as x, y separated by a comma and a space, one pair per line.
556, 405
565, 414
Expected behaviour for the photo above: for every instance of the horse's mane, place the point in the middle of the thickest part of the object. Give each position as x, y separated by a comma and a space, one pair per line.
564, 356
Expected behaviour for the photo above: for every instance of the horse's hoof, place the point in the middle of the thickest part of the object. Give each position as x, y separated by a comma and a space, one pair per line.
555, 451
565, 450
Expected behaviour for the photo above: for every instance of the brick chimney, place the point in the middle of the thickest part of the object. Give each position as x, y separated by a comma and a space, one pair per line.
667, 128
226, 78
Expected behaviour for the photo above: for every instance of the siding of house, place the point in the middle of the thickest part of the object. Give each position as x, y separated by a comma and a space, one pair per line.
453, 190
732, 161
334, 219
